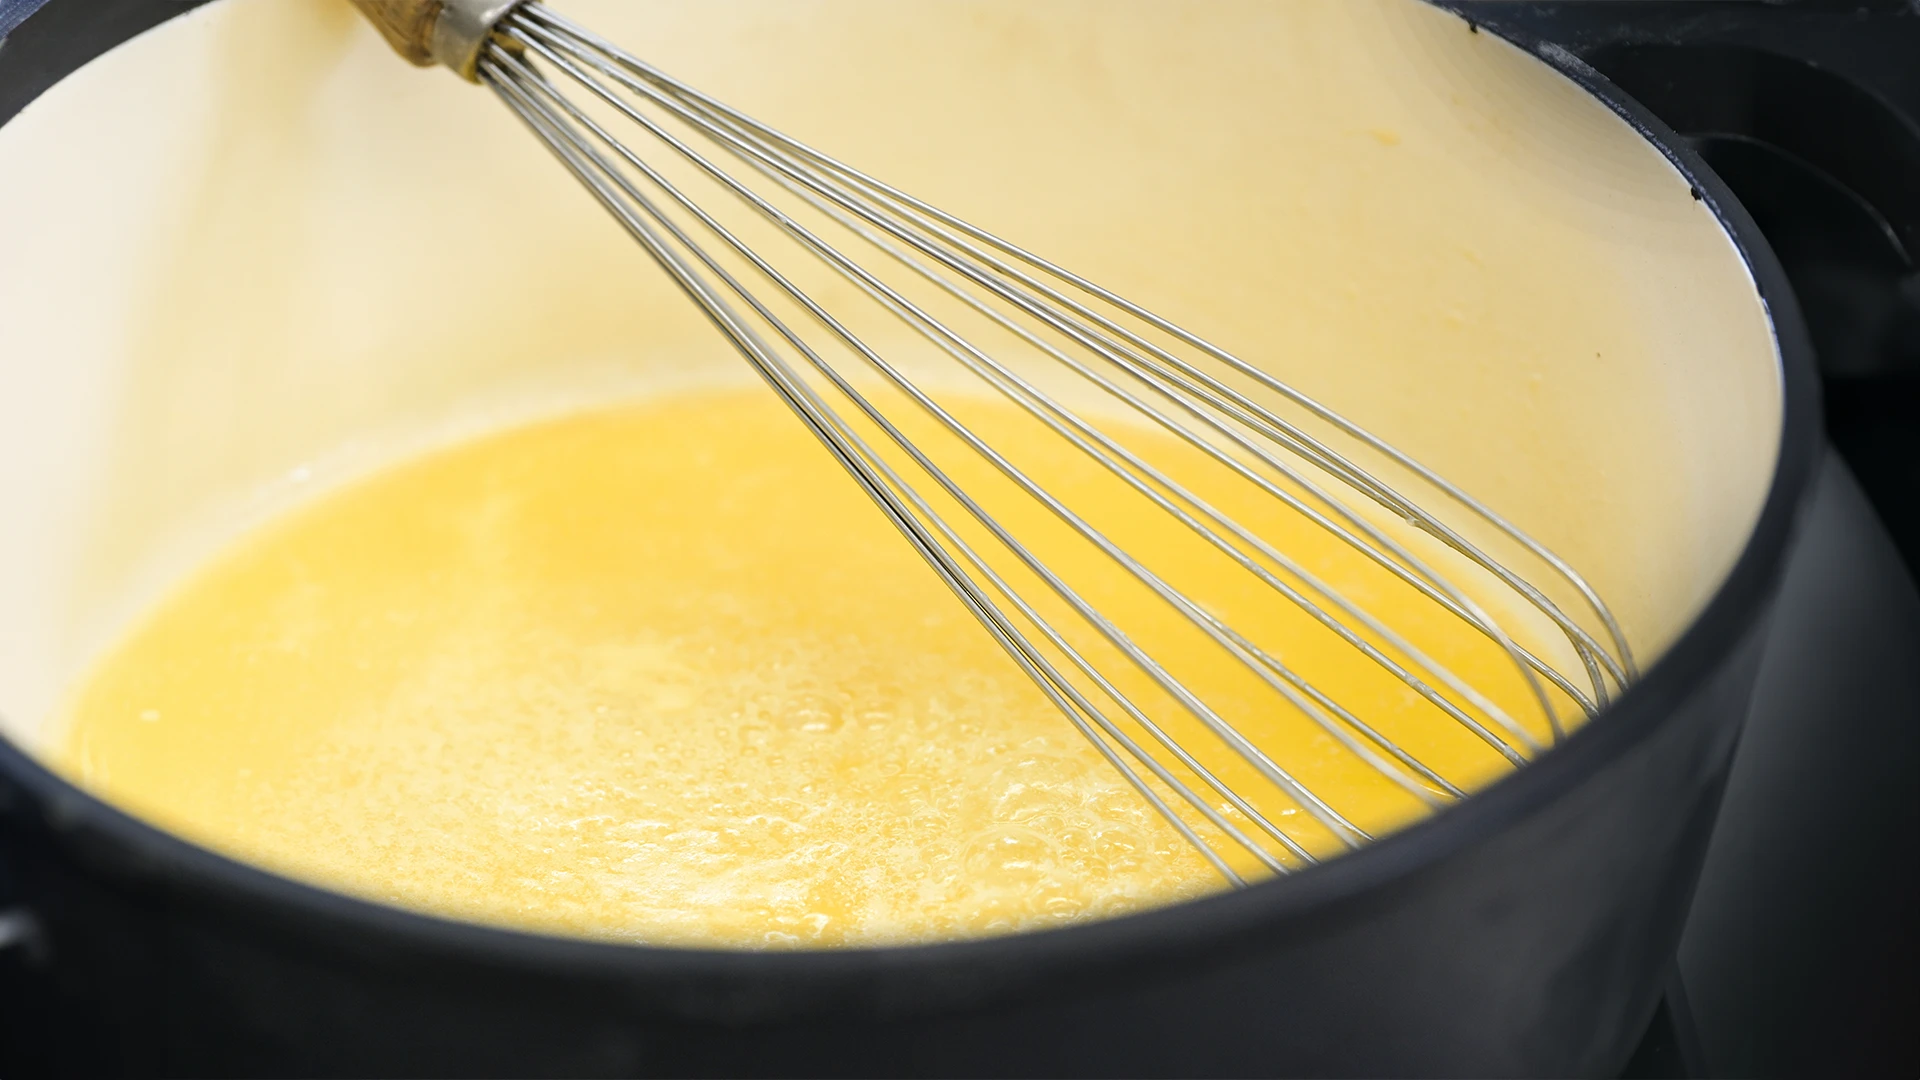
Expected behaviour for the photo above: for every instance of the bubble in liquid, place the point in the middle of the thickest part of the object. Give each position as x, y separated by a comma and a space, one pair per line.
1010, 857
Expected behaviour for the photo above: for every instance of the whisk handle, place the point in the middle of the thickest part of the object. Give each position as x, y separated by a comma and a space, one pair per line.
427, 32
406, 24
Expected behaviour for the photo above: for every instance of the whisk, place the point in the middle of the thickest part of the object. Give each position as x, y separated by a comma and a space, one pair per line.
1089, 366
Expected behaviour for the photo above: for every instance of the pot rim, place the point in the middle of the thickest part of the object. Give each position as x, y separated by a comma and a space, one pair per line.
909, 978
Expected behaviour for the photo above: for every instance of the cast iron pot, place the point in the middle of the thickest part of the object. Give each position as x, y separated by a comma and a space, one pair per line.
1529, 930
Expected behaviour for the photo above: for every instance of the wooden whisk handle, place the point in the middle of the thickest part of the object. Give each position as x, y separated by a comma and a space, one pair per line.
406, 24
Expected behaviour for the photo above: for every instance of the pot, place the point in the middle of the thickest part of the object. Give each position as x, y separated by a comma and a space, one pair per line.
1527, 930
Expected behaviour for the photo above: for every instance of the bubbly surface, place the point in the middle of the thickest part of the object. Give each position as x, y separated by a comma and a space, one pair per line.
662, 673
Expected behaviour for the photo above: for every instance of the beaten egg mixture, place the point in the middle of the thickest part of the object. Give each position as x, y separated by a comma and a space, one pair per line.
661, 672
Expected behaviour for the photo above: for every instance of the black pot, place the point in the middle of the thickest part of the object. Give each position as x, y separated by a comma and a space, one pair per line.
1528, 930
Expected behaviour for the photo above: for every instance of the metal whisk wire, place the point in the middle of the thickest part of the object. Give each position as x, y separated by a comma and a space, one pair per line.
1084, 328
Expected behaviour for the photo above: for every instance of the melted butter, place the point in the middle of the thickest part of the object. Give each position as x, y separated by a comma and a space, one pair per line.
661, 672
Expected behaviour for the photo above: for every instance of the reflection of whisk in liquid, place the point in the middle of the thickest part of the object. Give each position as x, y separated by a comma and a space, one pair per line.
1306, 509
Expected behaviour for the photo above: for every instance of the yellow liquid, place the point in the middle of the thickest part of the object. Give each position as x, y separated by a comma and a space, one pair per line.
663, 673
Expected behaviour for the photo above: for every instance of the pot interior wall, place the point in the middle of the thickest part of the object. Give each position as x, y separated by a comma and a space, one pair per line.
250, 253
